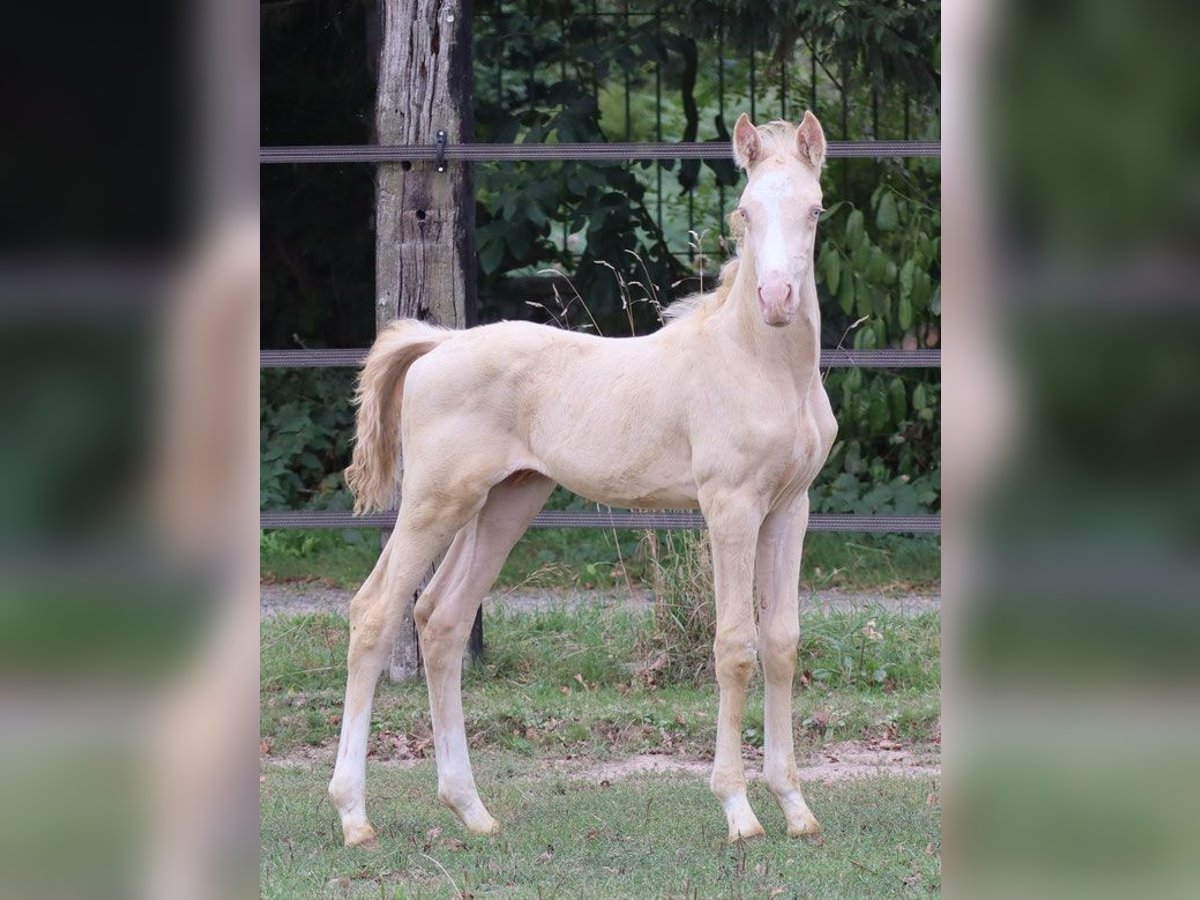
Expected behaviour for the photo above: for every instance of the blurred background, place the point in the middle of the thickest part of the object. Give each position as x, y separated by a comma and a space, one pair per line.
128, 533
1072, 159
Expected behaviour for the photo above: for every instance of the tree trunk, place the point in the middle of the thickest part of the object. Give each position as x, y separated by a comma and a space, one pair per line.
424, 219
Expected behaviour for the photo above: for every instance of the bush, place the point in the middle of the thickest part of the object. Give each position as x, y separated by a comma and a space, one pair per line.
305, 434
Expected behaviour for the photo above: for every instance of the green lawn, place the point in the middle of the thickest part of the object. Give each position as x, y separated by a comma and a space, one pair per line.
657, 836
556, 557
564, 690
584, 681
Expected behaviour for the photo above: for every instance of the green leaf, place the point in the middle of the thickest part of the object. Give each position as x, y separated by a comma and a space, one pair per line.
921, 290
890, 273
877, 414
854, 228
832, 268
887, 217
906, 278
861, 256
846, 295
898, 400
490, 255
906, 313
863, 300
920, 401
881, 303
877, 267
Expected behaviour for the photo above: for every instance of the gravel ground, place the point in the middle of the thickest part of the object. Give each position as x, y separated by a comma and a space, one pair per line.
296, 598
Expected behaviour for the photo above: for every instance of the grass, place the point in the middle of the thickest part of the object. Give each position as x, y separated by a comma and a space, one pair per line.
562, 689
572, 682
564, 837
586, 558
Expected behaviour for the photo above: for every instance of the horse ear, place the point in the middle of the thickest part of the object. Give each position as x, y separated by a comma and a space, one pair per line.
747, 145
810, 141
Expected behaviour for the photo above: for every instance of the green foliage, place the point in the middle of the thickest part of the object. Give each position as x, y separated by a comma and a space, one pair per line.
887, 456
305, 429
552, 72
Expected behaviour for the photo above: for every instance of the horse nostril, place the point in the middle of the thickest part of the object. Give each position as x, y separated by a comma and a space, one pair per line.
775, 295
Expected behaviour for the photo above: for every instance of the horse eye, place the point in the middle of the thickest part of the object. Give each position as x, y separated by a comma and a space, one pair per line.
741, 211
816, 212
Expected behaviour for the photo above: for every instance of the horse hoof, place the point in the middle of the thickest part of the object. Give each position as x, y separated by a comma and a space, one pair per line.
490, 826
360, 836
746, 833
810, 832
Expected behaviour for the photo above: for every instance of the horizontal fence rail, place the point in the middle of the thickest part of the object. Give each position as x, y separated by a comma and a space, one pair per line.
867, 359
627, 519
670, 520
620, 152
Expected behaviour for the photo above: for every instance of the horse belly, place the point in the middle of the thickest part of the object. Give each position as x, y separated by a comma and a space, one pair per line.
612, 457
607, 470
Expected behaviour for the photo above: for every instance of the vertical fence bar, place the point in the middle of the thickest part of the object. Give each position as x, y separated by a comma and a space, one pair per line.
875, 127
753, 88
596, 44
783, 113
691, 223
658, 114
721, 116
812, 87
628, 119
562, 72
845, 73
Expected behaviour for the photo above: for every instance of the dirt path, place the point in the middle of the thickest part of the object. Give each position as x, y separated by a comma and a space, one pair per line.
298, 598
835, 762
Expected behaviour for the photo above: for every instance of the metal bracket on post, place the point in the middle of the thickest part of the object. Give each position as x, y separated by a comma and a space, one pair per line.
441, 151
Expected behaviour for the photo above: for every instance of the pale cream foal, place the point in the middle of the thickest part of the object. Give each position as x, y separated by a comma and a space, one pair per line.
723, 409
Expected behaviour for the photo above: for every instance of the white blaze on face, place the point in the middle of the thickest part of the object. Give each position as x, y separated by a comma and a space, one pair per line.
780, 228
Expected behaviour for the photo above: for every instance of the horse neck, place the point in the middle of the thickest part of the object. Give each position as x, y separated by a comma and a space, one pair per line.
794, 347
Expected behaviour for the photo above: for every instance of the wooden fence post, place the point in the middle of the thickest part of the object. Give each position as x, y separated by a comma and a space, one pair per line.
424, 211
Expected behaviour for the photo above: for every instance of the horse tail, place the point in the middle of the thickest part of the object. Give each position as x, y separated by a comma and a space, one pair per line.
372, 475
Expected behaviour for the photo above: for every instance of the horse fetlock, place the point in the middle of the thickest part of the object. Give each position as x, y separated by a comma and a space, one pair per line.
344, 793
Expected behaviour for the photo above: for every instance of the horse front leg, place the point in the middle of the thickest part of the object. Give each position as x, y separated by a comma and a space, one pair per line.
733, 524
777, 572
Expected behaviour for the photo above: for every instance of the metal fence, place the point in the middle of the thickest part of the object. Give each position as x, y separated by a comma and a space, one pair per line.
771, 85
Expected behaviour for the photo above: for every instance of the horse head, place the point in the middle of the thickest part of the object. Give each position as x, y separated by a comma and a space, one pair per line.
777, 214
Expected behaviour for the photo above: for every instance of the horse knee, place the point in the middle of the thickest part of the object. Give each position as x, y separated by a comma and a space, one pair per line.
735, 658
779, 652
423, 610
368, 625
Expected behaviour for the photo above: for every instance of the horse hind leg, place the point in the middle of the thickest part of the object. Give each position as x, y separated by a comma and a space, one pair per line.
444, 615
422, 531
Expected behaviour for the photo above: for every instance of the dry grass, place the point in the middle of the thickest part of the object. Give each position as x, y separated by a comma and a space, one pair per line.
677, 646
